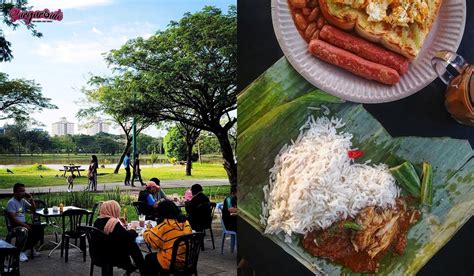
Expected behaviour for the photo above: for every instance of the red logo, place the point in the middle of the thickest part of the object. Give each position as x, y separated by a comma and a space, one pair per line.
28, 16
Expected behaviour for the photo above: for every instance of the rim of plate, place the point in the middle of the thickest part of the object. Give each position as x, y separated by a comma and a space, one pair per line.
446, 34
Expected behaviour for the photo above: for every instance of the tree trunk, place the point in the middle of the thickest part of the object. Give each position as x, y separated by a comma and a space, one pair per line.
229, 164
125, 150
189, 155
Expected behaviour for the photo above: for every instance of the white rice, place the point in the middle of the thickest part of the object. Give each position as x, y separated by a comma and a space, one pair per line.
314, 183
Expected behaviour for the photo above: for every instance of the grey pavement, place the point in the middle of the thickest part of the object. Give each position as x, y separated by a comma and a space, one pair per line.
211, 262
111, 186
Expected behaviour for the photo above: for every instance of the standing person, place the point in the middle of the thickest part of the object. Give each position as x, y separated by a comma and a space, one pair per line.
92, 174
16, 208
162, 237
137, 170
198, 209
126, 165
230, 209
122, 242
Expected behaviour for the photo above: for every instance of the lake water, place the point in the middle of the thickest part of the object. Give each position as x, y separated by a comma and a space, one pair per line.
84, 165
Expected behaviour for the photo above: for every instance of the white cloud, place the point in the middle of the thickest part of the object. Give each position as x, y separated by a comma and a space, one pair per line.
70, 52
83, 48
68, 4
96, 31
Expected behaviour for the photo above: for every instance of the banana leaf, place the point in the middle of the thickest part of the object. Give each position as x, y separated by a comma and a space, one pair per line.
270, 112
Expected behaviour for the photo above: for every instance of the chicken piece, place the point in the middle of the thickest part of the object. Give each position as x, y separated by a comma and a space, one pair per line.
372, 219
379, 229
384, 237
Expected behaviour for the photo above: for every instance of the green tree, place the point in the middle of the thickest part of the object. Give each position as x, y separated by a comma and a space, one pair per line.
5, 45
156, 146
5, 144
147, 144
106, 143
18, 135
112, 97
64, 144
208, 143
20, 97
85, 143
188, 74
37, 141
175, 145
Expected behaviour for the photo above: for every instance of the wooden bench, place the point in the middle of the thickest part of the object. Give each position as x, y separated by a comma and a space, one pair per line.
71, 169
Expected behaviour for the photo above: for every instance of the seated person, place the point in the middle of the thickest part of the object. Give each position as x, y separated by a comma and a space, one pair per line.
122, 244
16, 208
230, 207
198, 209
162, 237
159, 195
147, 196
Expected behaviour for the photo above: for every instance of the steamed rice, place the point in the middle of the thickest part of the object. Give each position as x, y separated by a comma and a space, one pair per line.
314, 183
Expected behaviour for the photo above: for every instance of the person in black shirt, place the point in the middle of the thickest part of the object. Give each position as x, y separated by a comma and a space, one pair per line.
198, 209
122, 243
230, 208
137, 171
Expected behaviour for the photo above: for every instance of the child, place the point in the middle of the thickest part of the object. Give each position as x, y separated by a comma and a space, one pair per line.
70, 182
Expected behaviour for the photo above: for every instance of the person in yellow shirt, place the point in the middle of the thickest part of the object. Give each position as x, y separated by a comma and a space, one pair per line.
162, 237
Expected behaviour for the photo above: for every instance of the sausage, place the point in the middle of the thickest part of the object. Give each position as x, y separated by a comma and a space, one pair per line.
364, 48
353, 63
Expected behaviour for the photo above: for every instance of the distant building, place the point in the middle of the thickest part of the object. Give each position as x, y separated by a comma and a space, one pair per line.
98, 126
62, 127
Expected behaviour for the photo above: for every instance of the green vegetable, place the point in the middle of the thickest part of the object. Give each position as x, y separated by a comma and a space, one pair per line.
352, 225
427, 184
407, 178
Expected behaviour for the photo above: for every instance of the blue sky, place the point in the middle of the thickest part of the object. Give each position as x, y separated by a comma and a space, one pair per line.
71, 49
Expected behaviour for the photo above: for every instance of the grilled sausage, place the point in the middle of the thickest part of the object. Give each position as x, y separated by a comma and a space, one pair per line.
353, 63
364, 48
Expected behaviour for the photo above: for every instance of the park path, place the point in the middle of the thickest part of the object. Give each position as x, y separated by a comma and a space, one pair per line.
111, 186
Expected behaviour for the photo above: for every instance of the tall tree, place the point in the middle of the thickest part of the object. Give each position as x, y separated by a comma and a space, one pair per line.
20, 97
5, 45
18, 135
189, 74
113, 97
190, 134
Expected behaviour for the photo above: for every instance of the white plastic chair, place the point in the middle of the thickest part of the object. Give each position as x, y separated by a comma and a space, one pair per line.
233, 234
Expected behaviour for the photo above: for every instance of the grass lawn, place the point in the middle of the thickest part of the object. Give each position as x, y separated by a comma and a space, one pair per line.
125, 198
40, 175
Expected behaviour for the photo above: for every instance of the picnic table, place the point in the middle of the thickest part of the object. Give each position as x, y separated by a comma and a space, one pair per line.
72, 168
55, 215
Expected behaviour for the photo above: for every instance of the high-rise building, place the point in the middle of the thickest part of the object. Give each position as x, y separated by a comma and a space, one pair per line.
62, 127
97, 126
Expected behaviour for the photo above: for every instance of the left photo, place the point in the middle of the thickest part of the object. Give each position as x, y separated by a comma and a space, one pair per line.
118, 137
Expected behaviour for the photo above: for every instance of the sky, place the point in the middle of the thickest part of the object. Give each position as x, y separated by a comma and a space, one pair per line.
70, 50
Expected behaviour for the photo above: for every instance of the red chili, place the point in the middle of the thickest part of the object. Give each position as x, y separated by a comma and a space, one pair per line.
355, 153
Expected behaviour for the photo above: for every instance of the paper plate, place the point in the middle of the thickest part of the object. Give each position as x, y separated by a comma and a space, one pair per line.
446, 34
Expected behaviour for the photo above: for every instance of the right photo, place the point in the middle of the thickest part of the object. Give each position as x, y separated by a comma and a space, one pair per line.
355, 137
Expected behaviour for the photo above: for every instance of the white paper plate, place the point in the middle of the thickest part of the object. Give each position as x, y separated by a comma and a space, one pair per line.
446, 34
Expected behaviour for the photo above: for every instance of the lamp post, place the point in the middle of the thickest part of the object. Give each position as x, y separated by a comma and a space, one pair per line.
134, 137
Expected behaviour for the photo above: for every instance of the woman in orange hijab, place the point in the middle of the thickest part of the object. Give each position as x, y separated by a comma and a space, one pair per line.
122, 242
